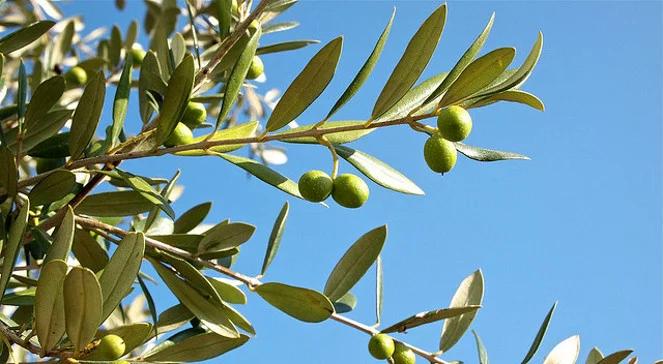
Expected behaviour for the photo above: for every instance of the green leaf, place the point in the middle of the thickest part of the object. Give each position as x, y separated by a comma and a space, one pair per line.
24, 36
12, 245
365, 70
346, 303
134, 335
340, 137
594, 356
62, 45
427, 317
245, 130
413, 62
149, 79
481, 349
616, 357
413, 98
88, 251
87, 114
565, 352
115, 46
301, 303
463, 62
355, 263
379, 290
237, 76
53, 187
176, 98
173, 318
225, 236
275, 238
263, 173
539, 335
82, 306
198, 348
143, 187
224, 16
151, 306
518, 96
210, 312
307, 86
121, 101
192, 276
43, 98
132, 34
487, 155
478, 74
63, 238
279, 27
45, 128
285, 46
49, 304
116, 203
378, 171
521, 75
121, 271
9, 179
191, 218
56, 146
21, 94
470, 292
228, 291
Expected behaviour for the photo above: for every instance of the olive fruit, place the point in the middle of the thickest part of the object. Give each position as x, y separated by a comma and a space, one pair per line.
440, 154
195, 114
256, 69
403, 355
48, 164
454, 123
180, 136
137, 54
110, 347
76, 76
350, 191
381, 346
315, 185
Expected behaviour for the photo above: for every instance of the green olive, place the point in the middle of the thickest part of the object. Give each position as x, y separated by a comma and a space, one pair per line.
111, 347
76, 76
350, 191
403, 355
256, 69
454, 123
137, 55
315, 185
381, 346
440, 154
48, 164
195, 114
180, 136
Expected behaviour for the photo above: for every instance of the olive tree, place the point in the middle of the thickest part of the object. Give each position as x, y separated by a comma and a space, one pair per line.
72, 255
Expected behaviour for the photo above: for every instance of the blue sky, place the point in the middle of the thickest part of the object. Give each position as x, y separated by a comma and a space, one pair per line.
579, 223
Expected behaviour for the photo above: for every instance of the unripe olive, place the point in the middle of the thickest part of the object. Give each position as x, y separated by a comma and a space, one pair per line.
256, 69
315, 185
403, 355
440, 154
48, 164
350, 191
76, 76
454, 123
180, 136
137, 54
381, 346
195, 114
110, 347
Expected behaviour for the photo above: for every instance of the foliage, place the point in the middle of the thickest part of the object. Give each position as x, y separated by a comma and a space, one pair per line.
72, 256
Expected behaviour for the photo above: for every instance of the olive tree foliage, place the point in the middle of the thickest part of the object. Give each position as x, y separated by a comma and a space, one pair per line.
71, 255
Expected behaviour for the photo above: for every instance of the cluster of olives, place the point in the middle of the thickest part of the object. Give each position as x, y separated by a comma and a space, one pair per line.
382, 347
347, 189
454, 124
194, 116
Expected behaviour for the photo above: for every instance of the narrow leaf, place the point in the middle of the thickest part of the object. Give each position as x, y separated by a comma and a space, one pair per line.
275, 238
566, 352
428, 317
518, 96
12, 245
413, 98
53, 187
121, 101
198, 348
487, 155
176, 98
9, 179
378, 171
87, 114
470, 292
263, 173
307, 86
341, 137
481, 349
82, 306
117, 203
285, 46
64, 237
595, 356
149, 80
191, 218
413, 61
355, 263
43, 98
24, 36
379, 290
236, 132
539, 335
616, 357
365, 70
49, 304
225, 236
301, 303
346, 303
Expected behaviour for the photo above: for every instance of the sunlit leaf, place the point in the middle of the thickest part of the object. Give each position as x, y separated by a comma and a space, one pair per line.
487, 155
82, 306
301, 303
566, 352
470, 292
24, 36
264, 173
427, 317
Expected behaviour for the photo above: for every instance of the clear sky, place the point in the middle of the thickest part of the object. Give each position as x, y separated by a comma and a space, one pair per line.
579, 223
